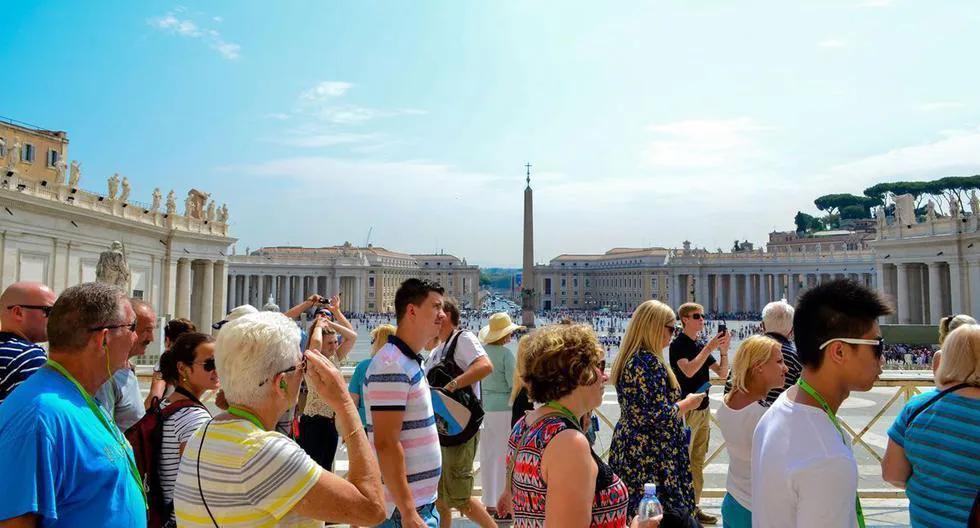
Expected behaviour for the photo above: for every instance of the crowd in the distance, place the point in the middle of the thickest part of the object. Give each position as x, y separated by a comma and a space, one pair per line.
83, 448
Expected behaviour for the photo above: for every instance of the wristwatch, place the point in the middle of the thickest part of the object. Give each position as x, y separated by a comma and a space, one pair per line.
451, 386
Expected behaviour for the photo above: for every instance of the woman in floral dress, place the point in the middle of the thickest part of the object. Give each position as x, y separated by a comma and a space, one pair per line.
649, 444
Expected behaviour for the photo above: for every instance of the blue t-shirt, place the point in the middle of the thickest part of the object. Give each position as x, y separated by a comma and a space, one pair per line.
60, 462
356, 386
942, 445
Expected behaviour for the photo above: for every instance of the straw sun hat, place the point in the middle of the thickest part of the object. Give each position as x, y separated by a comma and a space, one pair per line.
499, 326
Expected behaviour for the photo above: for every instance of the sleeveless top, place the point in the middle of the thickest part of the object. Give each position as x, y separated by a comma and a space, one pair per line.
530, 490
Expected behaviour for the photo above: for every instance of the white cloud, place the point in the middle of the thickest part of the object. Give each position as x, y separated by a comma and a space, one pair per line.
326, 90
942, 105
832, 43
877, 3
704, 143
322, 139
278, 116
185, 27
957, 153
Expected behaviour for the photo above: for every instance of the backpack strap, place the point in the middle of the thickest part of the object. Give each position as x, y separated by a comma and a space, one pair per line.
200, 488
450, 351
934, 399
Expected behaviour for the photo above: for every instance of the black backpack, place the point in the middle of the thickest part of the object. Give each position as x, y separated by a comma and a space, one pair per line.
458, 413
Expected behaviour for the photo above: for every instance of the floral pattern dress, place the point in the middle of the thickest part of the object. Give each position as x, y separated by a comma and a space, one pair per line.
649, 443
530, 490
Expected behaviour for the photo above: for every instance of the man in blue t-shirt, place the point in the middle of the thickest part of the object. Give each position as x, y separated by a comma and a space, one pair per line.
24, 308
65, 463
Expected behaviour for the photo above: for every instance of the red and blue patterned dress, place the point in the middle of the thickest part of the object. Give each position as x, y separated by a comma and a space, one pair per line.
530, 490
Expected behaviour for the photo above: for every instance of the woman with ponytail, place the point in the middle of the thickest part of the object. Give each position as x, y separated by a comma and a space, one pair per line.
649, 444
189, 368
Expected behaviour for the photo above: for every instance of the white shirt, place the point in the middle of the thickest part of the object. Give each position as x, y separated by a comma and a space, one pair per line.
737, 428
803, 475
468, 349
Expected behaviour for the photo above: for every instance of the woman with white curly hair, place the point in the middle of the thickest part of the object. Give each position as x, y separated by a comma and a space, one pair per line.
237, 470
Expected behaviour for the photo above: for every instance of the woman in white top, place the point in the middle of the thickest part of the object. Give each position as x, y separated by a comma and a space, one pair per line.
189, 368
758, 368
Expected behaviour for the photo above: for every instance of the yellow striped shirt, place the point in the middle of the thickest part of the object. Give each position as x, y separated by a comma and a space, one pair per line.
250, 478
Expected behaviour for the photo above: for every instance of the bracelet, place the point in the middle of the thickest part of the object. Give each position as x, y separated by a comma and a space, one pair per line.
351, 434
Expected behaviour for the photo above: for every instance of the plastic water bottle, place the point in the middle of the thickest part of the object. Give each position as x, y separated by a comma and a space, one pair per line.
650, 507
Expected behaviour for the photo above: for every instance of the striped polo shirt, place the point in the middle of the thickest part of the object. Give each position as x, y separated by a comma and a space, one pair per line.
395, 382
942, 445
19, 358
249, 478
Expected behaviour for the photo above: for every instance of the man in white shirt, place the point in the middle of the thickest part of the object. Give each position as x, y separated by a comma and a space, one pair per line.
456, 481
803, 470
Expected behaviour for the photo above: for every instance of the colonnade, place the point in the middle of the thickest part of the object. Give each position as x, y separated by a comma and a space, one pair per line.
924, 292
288, 290
749, 291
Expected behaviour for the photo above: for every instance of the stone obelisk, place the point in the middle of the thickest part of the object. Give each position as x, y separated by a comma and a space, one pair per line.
527, 280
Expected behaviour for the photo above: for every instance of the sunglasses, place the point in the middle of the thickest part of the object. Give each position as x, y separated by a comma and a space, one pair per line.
698, 316
602, 365
878, 344
208, 364
301, 367
45, 309
130, 326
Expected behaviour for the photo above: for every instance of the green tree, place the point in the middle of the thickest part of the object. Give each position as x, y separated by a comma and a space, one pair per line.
854, 212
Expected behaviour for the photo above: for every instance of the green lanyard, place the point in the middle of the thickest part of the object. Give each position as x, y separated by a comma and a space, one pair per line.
807, 388
245, 415
564, 411
109, 427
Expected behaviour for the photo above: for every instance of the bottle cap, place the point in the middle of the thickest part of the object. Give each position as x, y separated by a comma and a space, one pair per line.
649, 489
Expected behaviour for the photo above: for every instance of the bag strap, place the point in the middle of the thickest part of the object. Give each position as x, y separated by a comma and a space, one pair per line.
200, 489
450, 351
934, 400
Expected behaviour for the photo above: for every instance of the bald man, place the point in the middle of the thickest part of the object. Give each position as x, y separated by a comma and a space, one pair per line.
24, 309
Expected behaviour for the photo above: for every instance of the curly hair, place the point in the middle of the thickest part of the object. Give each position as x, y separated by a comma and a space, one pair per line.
558, 359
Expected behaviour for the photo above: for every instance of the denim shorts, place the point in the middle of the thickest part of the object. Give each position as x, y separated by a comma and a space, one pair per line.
427, 512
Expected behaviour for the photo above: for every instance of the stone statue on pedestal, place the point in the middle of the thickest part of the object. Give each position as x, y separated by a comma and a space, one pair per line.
74, 174
125, 190
194, 205
171, 203
223, 214
60, 167
112, 267
954, 208
113, 186
880, 217
156, 200
931, 211
974, 203
905, 209
13, 155
210, 215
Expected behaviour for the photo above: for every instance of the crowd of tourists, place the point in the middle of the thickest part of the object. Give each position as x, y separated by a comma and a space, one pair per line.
82, 447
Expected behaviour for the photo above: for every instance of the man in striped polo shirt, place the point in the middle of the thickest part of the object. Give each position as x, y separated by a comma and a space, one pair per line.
401, 423
24, 309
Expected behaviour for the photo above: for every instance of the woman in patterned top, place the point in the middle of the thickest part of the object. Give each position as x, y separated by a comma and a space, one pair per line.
237, 470
189, 368
556, 478
649, 444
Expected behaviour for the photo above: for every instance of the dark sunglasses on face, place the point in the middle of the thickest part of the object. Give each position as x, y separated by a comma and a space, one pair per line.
698, 316
45, 309
208, 364
301, 367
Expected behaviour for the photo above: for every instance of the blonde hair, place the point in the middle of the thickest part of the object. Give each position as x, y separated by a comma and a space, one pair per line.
645, 331
961, 357
952, 322
380, 335
519, 368
753, 352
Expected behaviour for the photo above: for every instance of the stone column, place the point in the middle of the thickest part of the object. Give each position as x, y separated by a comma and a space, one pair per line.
974, 283
719, 299
794, 288
335, 284
935, 292
956, 287
169, 305
915, 294
748, 293
287, 294
207, 296
902, 297
247, 288
220, 308
261, 286
184, 287
764, 296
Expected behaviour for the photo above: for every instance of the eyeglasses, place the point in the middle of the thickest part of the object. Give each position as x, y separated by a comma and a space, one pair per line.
45, 309
698, 316
301, 367
130, 326
879, 344
208, 364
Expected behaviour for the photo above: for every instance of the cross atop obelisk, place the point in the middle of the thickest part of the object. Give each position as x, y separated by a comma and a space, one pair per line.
528, 301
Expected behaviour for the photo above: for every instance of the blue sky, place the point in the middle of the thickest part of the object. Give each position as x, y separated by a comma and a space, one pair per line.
647, 123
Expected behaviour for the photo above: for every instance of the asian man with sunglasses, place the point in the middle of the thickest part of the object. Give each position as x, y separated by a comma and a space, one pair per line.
803, 469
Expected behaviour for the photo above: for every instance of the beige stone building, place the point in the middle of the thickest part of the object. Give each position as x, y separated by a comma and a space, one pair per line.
619, 279
366, 277
32, 153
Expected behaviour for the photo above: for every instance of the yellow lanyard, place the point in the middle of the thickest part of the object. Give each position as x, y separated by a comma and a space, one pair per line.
109, 427
833, 419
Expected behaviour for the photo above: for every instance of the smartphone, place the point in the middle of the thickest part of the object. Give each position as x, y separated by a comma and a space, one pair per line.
722, 328
704, 388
